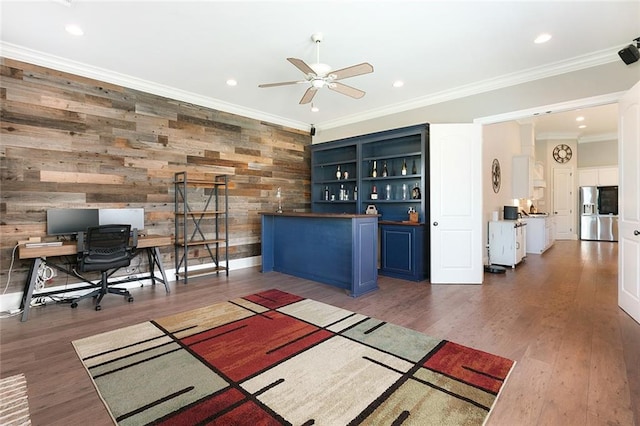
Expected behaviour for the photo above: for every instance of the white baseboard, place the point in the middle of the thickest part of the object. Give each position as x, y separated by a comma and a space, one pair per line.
11, 302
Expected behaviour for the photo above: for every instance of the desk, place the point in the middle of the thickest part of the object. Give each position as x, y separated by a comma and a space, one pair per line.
148, 244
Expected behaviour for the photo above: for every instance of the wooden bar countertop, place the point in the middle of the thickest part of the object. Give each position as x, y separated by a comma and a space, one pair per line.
317, 215
403, 222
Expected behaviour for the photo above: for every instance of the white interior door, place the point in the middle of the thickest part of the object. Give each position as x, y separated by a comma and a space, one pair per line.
455, 152
629, 196
563, 203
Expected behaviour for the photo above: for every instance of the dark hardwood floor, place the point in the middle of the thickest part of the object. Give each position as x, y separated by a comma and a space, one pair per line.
577, 353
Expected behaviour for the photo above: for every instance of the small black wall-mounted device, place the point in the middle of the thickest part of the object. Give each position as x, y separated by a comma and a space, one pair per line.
629, 54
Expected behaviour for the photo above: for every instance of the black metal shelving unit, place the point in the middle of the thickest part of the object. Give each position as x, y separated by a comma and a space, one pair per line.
201, 225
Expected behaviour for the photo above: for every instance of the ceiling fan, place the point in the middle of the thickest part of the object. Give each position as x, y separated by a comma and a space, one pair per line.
320, 75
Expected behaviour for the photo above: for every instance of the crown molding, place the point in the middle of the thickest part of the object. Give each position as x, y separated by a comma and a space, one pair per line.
601, 57
609, 98
604, 137
593, 59
19, 53
555, 136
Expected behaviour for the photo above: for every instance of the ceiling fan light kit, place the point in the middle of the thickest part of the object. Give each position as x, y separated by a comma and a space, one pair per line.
319, 75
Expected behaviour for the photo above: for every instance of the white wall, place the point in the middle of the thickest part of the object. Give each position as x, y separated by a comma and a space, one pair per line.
598, 154
501, 141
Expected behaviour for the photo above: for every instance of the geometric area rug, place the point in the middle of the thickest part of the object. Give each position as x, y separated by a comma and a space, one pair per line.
274, 358
14, 407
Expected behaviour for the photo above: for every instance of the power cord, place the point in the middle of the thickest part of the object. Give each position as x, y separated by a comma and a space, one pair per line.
13, 257
45, 273
10, 314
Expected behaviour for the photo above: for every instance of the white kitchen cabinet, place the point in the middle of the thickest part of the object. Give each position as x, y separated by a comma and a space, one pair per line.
507, 242
598, 176
522, 176
608, 176
540, 234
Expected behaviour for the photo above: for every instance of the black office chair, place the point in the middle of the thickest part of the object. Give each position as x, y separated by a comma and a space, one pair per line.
105, 248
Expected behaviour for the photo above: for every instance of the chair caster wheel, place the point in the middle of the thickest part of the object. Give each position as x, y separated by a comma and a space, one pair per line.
130, 299
74, 305
98, 307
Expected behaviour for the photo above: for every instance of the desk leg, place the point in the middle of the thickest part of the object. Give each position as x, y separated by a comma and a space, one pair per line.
152, 264
29, 287
155, 259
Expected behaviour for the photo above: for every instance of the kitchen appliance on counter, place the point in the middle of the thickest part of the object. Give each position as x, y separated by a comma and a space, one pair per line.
599, 213
510, 213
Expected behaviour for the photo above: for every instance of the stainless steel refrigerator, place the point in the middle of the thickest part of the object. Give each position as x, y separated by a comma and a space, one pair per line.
599, 213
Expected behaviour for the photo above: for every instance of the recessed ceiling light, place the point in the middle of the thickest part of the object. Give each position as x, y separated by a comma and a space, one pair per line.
582, 126
398, 83
232, 82
74, 29
581, 118
542, 38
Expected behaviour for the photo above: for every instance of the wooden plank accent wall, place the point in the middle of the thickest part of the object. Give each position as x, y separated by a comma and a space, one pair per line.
72, 142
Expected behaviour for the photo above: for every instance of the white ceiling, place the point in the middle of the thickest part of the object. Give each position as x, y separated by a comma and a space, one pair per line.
440, 49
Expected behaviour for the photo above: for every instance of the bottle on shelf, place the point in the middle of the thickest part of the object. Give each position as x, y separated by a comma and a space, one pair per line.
279, 197
345, 175
374, 193
338, 173
405, 193
403, 172
326, 193
414, 170
355, 193
387, 192
341, 195
374, 171
415, 192
385, 172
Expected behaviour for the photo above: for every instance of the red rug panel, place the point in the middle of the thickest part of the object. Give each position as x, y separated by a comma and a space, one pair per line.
480, 369
243, 348
273, 299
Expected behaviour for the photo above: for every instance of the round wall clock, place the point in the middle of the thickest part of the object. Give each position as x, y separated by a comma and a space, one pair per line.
562, 153
495, 175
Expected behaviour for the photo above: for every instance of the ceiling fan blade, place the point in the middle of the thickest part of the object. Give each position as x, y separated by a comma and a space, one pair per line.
284, 83
352, 71
346, 90
302, 66
308, 95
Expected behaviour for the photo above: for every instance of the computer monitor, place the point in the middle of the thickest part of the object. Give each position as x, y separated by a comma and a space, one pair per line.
70, 221
133, 217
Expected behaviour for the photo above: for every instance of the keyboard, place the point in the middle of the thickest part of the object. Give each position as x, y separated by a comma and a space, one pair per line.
44, 244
